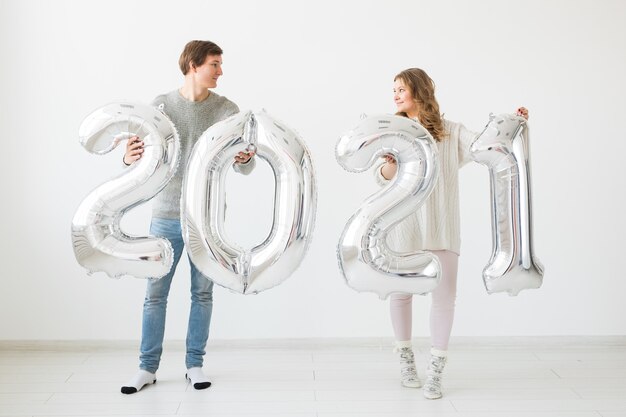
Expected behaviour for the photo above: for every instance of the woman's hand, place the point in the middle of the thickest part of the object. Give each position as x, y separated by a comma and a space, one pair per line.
389, 159
134, 150
522, 111
243, 157
388, 170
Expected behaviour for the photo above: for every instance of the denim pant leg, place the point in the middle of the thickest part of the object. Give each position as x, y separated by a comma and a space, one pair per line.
199, 317
155, 303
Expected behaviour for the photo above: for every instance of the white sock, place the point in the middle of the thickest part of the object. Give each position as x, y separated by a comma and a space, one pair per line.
439, 352
137, 382
198, 378
399, 344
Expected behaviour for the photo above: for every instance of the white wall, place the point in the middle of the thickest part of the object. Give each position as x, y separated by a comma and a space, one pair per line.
317, 66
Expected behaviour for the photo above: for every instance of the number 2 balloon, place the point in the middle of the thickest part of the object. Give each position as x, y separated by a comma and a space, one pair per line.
99, 243
365, 260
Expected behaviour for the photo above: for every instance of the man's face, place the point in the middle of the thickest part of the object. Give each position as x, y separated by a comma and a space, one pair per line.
210, 71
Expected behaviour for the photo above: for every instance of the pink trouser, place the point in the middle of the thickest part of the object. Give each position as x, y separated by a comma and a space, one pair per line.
441, 310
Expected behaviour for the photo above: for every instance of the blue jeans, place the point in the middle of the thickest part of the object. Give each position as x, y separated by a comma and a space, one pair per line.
155, 305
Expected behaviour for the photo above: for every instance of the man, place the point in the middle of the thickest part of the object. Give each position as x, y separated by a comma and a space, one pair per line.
193, 108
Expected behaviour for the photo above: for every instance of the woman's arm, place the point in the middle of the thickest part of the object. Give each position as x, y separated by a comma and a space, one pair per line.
466, 138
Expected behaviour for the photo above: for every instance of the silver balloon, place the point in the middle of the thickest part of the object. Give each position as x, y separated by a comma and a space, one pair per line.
503, 148
365, 260
99, 243
203, 203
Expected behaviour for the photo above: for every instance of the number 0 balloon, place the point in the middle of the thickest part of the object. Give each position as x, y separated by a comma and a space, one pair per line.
366, 261
99, 243
503, 147
203, 203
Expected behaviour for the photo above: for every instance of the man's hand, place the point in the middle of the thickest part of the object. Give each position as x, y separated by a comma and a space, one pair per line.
134, 150
243, 157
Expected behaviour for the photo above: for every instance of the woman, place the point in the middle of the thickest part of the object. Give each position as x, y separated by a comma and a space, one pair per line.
434, 227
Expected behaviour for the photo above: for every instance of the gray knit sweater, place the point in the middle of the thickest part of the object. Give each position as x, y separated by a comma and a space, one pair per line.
191, 119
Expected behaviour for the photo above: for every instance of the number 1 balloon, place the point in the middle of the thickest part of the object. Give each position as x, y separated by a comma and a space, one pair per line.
99, 243
503, 147
203, 203
365, 260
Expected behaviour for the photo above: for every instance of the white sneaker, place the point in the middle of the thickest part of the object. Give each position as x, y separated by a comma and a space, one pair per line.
408, 372
432, 386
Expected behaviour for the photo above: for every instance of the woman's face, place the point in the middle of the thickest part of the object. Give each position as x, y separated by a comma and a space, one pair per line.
402, 97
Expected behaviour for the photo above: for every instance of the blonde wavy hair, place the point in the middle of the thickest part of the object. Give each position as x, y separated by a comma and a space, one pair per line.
422, 89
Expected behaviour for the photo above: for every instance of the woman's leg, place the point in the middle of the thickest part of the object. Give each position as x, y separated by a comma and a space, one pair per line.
441, 319
401, 318
443, 300
401, 309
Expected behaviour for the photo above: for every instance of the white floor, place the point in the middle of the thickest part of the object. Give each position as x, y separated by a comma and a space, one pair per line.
540, 377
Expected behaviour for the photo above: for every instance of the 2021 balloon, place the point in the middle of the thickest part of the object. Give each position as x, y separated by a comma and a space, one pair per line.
503, 147
365, 260
203, 203
99, 243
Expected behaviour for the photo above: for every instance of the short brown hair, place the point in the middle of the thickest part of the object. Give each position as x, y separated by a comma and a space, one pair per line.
195, 52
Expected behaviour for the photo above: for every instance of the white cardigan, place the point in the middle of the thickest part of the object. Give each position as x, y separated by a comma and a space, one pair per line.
436, 225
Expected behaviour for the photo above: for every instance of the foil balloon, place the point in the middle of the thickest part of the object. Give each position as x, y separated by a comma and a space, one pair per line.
503, 147
248, 271
365, 260
99, 243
